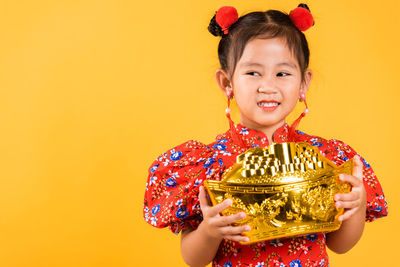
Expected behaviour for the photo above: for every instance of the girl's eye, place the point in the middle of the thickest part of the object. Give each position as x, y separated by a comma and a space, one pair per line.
253, 72
280, 74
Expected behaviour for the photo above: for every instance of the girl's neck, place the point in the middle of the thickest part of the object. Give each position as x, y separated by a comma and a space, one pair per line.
267, 130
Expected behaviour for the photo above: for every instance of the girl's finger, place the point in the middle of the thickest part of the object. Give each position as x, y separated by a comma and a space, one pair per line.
203, 199
347, 214
351, 196
234, 230
358, 167
238, 238
354, 181
226, 220
348, 204
217, 209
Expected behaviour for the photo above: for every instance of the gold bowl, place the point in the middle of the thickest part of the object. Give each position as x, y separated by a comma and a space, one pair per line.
285, 190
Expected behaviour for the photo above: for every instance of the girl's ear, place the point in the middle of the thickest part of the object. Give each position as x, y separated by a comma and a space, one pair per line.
223, 82
308, 76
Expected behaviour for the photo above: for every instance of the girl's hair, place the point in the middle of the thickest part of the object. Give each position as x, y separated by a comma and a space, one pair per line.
263, 25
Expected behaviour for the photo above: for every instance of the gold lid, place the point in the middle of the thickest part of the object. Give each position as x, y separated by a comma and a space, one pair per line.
285, 189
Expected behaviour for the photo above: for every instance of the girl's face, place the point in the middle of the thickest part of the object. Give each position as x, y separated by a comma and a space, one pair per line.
266, 84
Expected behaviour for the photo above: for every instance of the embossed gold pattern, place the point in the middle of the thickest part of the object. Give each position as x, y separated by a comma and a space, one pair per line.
285, 189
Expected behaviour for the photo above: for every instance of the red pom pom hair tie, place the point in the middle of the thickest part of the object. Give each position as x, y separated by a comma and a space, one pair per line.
225, 17
301, 17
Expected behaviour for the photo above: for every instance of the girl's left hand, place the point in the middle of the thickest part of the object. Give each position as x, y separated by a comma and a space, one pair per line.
356, 200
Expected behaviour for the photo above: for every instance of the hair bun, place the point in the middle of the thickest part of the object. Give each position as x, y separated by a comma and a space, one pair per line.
304, 6
223, 19
214, 28
301, 17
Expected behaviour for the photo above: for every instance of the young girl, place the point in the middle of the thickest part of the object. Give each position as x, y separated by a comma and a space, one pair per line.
264, 60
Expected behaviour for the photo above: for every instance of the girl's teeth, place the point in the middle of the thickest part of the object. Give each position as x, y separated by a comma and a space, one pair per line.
264, 104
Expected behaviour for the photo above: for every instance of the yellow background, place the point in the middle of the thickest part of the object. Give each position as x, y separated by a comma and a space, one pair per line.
91, 92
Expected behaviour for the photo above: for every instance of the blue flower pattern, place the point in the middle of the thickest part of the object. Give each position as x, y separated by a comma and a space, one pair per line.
365, 163
219, 146
155, 210
170, 182
182, 212
154, 168
208, 162
175, 155
295, 263
244, 131
311, 237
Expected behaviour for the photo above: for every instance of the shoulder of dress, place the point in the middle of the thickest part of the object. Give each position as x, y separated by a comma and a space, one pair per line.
327, 146
338, 143
189, 146
336, 150
304, 137
315, 139
343, 149
186, 153
223, 137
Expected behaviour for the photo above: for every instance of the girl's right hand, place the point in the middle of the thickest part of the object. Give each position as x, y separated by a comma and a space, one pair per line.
218, 226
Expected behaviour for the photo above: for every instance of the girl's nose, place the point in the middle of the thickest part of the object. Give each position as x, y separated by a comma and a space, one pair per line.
267, 87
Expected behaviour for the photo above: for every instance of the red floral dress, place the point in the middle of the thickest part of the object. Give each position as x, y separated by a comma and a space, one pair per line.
171, 197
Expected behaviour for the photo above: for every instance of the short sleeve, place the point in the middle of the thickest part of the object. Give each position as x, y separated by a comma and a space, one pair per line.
171, 196
376, 201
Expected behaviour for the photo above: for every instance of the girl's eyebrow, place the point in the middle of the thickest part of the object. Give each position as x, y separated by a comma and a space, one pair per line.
288, 64
251, 64
255, 64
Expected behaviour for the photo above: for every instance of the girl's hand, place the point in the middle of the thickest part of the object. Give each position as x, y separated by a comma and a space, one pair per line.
354, 201
218, 226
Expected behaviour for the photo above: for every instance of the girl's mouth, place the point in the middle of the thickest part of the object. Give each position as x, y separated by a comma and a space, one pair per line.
268, 105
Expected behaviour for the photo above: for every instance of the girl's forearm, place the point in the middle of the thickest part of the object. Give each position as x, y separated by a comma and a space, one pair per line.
349, 233
198, 248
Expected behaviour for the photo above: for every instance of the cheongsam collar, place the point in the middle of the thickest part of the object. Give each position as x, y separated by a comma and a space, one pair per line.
253, 137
